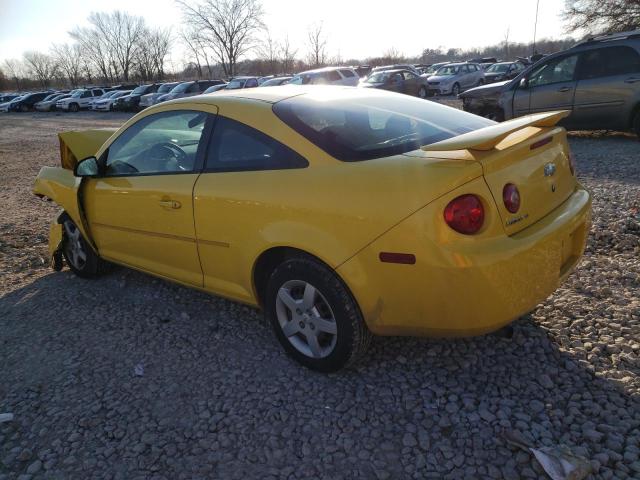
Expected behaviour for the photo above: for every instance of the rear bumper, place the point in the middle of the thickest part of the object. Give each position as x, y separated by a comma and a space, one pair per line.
465, 286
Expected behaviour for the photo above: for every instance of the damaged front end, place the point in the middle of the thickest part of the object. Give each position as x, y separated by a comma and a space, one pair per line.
60, 185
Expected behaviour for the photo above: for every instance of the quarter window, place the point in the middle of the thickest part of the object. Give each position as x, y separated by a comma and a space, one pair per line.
236, 146
558, 70
610, 61
166, 142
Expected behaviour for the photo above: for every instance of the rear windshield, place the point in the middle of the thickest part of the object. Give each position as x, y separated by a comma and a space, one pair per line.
363, 126
182, 87
166, 87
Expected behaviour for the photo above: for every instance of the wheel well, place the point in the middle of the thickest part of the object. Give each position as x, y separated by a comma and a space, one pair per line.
268, 261
634, 112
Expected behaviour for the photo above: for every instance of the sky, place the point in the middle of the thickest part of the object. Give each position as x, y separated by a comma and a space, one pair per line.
355, 28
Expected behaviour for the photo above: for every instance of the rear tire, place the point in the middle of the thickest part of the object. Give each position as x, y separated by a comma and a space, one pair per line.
80, 257
314, 316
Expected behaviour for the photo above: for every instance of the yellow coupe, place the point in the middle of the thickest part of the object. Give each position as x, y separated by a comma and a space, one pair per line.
341, 212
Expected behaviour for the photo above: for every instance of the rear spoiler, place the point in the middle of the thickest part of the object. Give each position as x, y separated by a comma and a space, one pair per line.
488, 137
80, 144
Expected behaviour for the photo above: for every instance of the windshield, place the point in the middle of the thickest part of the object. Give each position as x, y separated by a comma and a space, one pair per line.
77, 93
235, 84
364, 125
182, 87
166, 87
379, 77
498, 68
50, 97
448, 70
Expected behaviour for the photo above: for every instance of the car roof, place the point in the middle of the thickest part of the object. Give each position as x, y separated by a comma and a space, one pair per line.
325, 69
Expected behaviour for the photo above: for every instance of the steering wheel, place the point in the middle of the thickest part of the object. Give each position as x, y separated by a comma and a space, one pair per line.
177, 153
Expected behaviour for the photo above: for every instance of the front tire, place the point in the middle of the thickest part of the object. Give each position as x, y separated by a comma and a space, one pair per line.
74, 107
636, 123
314, 316
422, 93
455, 90
80, 257
24, 108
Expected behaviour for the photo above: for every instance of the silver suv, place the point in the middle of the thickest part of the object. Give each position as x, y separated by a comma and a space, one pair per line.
598, 80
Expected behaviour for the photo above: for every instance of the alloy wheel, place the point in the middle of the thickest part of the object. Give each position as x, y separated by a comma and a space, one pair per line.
73, 246
306, 319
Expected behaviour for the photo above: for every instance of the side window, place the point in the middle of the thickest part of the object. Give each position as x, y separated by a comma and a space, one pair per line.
555, 71
609, 61
346, 73
252, 82
333, 76
236, 147
409, 75
86, 94
193, 88
165, 142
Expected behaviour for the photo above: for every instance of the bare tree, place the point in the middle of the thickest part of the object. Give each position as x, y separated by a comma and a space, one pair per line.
69, 60
41, 66
227, 27
161, 42
317, 45
287, 56
506, 43
95, 51
14, 70
598, 16
268, 50
393, 55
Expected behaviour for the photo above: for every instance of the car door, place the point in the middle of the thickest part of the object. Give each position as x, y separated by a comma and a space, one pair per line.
550, 86
411, 83
140, 209
251, 83
608, 84
245, 172
396, 83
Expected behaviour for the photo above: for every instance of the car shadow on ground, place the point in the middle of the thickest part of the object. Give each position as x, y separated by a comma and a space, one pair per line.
134, 364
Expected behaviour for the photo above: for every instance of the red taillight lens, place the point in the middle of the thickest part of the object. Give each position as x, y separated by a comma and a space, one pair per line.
511, 197
572, 163
465, 214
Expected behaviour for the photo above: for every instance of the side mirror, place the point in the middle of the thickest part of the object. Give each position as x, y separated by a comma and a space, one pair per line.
87, 167
524, 84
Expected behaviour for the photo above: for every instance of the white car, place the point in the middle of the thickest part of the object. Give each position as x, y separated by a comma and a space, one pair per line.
106, 104
79, 99
104, 96
327, 76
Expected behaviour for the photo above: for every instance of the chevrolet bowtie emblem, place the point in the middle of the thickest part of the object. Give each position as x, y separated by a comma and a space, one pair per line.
549, 169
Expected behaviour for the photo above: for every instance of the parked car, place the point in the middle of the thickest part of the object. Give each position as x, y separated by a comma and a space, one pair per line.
130, 103
4, 107
598, 81
26, 102
123, 86
456, 77
327, 76
362, 70
215, 88
48, 104
278, 212
403, 66
104, 96
242, 82
106, 104
151, 98
497, 72
79, 99
401, 81
274, 82
188, 89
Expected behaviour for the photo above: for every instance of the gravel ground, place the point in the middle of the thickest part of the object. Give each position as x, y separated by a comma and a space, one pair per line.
130, 377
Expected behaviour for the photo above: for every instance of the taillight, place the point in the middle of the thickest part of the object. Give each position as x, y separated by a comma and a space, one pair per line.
572, 163
465, 214
511, 197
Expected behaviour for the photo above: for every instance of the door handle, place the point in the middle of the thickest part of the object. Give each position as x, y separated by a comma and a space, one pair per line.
564, 89
632, 80
170, 203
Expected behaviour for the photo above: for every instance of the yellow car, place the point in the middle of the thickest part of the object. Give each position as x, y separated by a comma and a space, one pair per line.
341, 212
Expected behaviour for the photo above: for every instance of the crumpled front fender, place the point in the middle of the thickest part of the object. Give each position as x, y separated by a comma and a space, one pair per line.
55, 244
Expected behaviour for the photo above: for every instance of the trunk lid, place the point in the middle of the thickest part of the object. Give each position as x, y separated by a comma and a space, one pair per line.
528, 152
